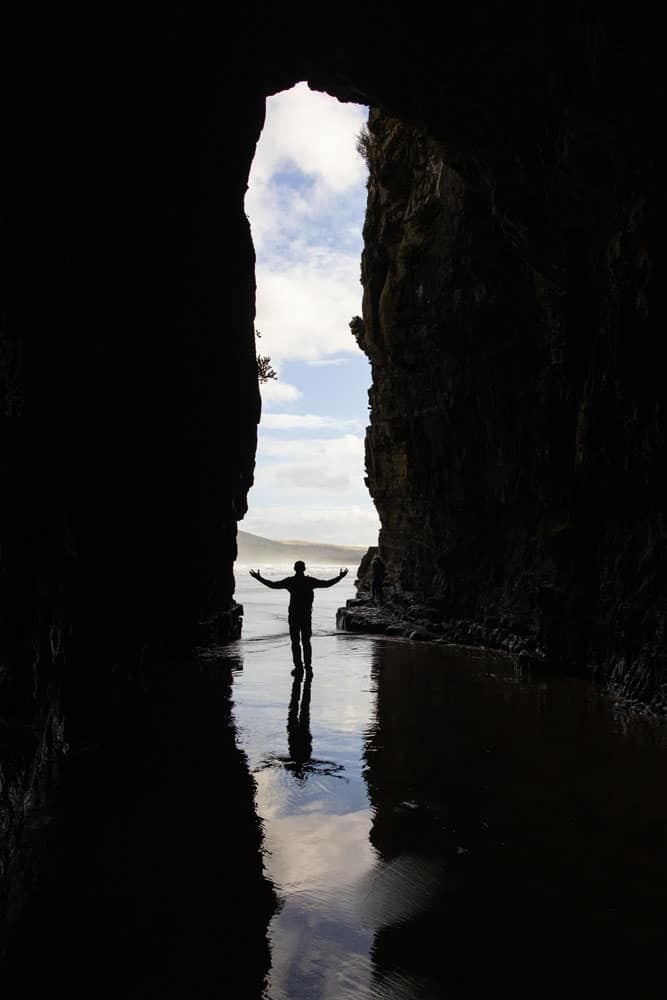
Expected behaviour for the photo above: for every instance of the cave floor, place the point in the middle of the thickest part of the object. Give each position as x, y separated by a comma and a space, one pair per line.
438, 824
434, 824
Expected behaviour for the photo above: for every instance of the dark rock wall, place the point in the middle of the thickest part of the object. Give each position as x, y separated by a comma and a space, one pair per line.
130, 446
130, 398
449, 326
516, 439
31, 742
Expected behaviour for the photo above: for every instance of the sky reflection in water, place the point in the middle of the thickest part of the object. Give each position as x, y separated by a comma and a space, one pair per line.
440, 826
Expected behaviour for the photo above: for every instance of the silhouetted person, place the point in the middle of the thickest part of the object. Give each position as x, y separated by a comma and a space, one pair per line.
299, 739
301, 589
377, 579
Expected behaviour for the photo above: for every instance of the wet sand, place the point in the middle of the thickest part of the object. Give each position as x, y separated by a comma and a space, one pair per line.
416, 822
437, 824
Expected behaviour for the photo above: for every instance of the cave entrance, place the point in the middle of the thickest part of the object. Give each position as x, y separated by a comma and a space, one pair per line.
305, 203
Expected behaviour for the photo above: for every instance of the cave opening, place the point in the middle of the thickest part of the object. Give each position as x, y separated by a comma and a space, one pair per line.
530, 329
305, 204
128, 361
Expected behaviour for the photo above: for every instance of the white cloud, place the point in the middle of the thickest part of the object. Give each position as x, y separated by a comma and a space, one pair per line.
305, 202
306, 167
307, 421
304, 477
314, 850
345, 525
313, 489
304, 309
343, 452
279, 393
327, 362
314, 132
320, 857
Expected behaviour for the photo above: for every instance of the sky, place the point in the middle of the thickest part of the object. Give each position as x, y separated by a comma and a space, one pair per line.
305, 203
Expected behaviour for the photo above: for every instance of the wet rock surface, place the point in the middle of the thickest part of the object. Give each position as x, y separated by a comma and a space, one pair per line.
424, 624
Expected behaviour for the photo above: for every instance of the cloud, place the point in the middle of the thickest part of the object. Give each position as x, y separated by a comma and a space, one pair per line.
353, 524
311, 851
309, 130
305, 202
304, 308
322, 466
307, 421
321, 856
279, 393
342, 452
326, 362
304, 478
296, 209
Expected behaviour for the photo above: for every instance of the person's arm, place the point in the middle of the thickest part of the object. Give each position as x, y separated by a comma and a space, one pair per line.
329, 583
274, 584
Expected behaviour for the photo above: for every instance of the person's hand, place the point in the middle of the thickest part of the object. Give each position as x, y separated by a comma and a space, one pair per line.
342, 573
255, 573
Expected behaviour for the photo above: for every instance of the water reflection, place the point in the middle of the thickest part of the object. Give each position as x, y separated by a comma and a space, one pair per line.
299, 738
520, 833
492, 831
299, 760
152, 882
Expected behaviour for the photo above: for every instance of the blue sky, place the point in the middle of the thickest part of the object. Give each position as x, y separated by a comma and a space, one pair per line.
306, 200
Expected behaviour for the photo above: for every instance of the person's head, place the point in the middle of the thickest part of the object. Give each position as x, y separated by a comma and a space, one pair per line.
300, 567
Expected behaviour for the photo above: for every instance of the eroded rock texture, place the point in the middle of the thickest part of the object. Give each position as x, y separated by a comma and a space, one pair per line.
516, 439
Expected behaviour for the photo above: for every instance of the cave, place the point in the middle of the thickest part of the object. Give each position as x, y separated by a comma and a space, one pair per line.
511, 315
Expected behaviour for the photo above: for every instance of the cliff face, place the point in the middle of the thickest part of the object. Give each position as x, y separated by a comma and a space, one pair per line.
127, 444
517, 429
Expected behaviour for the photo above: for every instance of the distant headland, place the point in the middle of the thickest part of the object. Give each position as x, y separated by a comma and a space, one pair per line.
254, 549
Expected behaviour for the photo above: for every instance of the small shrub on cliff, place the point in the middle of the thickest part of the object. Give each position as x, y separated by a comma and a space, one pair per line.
264, 369
364, 144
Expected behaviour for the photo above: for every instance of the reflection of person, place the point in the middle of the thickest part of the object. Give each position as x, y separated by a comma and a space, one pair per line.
301, 589
299, 739
377, 579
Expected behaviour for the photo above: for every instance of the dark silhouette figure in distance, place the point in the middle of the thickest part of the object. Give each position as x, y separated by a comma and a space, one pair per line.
301, 589
377, 579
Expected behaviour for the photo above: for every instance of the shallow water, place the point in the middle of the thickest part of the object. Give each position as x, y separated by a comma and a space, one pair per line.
437, 825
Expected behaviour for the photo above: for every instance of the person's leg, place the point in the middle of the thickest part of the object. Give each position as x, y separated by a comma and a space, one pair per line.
306, 632
296, 647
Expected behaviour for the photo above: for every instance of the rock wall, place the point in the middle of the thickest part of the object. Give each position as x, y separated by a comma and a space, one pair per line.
517, 429
128, 379
31, 742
